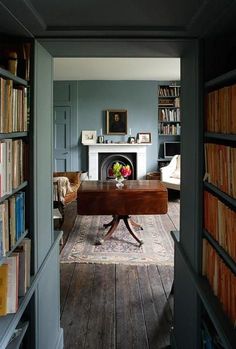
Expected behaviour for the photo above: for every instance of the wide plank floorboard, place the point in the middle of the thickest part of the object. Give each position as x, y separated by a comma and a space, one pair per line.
118, 306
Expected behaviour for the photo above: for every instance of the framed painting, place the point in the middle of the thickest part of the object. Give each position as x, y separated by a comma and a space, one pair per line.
89, 137
144, 137
116, 122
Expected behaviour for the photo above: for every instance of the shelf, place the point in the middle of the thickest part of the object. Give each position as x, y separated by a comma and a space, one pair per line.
220, 136
169, 122
222, 80
227, 199
6, 74
13, 248
15, 342
163, 159
211, 303
14, 191
166, 134
161, 106
13, 135
9, 322
177, 96
223, 254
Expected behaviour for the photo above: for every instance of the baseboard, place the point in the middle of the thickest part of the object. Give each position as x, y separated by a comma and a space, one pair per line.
60, 340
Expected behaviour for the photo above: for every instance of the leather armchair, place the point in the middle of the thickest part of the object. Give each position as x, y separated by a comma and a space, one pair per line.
74, 183
170, 174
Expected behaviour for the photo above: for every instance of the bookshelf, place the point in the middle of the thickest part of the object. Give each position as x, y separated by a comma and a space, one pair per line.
16, 232
219, 202
169, 119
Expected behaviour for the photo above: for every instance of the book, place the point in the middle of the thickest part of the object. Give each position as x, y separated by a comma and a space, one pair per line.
13, 280
3, 288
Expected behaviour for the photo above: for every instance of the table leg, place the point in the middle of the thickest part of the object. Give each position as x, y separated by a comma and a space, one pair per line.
106, 225
129, 227
114, 223
134, 224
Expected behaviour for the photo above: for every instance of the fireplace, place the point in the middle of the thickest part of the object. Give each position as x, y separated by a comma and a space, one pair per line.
138, 158
107, 160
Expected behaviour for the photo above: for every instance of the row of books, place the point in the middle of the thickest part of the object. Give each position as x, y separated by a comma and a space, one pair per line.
220, 223
221, 279
15, 277
13, 107
169, 114
221, 110
169, 91
169, 102
220, 167
169, 129
12, 221
11, 165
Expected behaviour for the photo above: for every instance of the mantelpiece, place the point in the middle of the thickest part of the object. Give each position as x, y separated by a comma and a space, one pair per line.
95, 149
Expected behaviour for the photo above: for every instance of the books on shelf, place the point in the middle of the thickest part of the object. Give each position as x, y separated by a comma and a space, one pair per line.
220, 223
221, 109
169, 91
12, 221
15, 277
166, 114
220, 167
11, 165
14, 107
221, 279
169, 129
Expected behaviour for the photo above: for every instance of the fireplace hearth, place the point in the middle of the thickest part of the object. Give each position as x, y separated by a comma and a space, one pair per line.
107, 160
137, 159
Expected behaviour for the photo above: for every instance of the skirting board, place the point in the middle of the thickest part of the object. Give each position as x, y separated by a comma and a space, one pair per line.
60, 340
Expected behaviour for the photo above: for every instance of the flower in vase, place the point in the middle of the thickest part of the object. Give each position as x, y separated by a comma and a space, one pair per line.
120, 171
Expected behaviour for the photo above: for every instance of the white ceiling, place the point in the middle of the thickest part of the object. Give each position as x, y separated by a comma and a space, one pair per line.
116, 68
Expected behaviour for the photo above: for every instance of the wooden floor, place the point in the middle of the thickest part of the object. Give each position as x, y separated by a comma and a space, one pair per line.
116, 306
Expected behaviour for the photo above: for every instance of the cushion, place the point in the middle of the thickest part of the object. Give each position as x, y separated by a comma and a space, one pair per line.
176, 174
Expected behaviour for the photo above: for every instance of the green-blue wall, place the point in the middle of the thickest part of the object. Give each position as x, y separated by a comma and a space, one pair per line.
90, 99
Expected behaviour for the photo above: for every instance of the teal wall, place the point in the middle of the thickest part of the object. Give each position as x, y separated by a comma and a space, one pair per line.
91, 101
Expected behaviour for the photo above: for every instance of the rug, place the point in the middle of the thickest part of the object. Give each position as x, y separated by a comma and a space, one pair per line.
121, 248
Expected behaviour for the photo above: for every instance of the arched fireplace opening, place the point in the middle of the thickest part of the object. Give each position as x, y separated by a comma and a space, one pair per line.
107, 160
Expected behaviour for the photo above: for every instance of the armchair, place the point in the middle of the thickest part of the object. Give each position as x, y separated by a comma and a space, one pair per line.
170, 174
66, 185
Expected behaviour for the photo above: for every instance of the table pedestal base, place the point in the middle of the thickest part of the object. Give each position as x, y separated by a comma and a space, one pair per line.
129, 223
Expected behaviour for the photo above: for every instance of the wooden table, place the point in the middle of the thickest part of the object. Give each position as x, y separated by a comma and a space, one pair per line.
136, 197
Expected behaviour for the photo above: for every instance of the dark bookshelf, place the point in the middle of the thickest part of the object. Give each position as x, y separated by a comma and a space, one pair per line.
220, 136
222, 253
14, 191
13, 135
225, 198
16, 79
210, 302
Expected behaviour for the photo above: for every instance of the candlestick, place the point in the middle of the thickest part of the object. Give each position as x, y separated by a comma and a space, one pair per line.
130, 131
101, 132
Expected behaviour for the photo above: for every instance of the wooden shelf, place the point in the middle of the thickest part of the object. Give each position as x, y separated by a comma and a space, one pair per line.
220, 136
13, 135
227, 199
14, 191
169, 122
6, 74
9, 322
13, 248
17, 339
211, 303
223, 254
167, 134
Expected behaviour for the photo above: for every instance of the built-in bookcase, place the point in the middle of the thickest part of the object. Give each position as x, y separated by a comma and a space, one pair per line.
16, 235
169, 118
219, 202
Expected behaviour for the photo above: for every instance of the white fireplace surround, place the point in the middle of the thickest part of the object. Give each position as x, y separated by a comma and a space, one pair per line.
95, 149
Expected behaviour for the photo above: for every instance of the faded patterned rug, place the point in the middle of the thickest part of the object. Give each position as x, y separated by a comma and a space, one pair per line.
121, 248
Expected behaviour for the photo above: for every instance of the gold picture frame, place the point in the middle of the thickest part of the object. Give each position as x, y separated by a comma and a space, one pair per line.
116, 122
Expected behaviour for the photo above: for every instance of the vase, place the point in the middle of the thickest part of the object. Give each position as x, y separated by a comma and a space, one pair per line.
119, 181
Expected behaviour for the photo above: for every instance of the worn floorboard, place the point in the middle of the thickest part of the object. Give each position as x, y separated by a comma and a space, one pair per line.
118, 306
